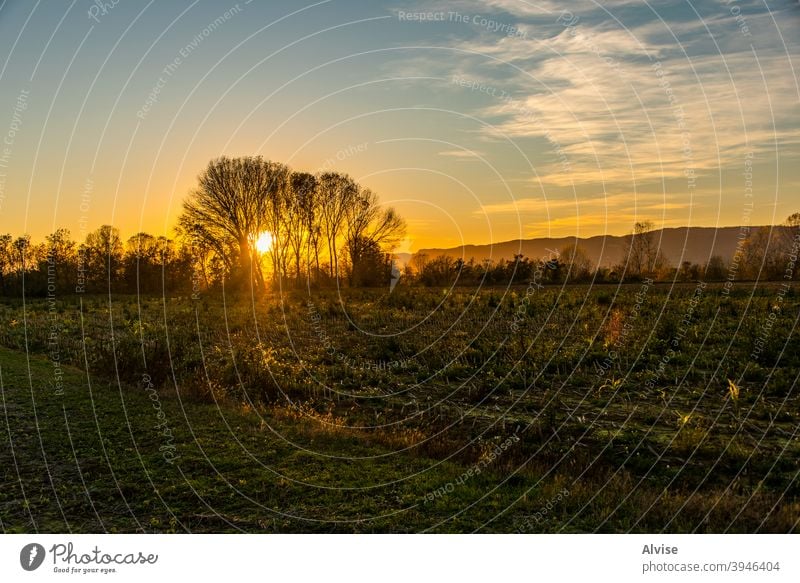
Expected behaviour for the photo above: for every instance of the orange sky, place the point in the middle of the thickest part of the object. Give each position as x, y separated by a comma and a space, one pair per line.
572, 126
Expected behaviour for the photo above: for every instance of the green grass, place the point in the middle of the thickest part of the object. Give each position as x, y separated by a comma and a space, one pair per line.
89, 461
605, 453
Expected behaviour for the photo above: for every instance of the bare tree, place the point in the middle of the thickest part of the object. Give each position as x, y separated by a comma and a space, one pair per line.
337, 192
278, 206
103, 252
59, 250
301, 218
763, 256
368, 225
307, 190
6, 259
313, 223
579, 266
208, 259
641, 251
236, 200
791, 244
239, 199
370, 230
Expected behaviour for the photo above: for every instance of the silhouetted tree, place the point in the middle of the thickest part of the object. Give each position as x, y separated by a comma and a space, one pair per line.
370, 230
6, 260
103, 253
337, 192
642, 256
577, 264
58, 266
236, 200
715, 269
372, 267
303, 220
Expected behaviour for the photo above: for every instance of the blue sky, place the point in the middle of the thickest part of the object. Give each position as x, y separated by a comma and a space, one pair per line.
480, 121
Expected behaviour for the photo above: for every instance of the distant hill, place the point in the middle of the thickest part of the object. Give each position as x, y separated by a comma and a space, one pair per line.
695, 244
403, 258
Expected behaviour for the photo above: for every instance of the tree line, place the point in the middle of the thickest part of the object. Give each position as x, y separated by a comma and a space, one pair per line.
144, 263
763, 253
324, 229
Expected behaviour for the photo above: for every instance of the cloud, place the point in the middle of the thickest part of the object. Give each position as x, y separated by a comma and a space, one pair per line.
651, 201
591, 224
671, 100
529, 8
617, 107
463, 154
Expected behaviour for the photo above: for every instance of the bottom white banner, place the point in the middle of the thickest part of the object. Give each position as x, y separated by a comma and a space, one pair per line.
371, 558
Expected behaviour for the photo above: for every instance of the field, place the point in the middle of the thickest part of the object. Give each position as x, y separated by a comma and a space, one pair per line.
637, 408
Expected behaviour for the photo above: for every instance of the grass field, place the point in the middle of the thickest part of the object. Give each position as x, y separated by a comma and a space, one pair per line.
641, 408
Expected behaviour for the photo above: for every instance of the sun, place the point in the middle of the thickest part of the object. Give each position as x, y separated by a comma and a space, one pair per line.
264, 242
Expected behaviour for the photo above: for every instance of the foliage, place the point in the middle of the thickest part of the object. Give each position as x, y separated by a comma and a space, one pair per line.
304, 381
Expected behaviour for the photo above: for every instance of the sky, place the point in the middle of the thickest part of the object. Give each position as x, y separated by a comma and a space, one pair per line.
479, 121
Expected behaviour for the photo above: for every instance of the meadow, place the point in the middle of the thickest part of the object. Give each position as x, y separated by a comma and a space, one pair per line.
642, 407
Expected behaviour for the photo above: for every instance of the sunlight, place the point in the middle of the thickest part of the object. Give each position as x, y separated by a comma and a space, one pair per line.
264, 242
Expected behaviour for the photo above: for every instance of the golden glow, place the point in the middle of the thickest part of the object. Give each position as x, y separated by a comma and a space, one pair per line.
264, 242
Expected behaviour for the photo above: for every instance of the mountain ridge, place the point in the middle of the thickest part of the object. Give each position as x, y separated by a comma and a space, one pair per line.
679, 244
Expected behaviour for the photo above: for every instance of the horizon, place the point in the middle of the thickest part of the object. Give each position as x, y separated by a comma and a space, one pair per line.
584, 237
124, 237
489, 122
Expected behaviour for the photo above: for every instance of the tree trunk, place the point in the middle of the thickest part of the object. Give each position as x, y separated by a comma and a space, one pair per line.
316, 256
245, 262
330, 256
259, 274
297, 263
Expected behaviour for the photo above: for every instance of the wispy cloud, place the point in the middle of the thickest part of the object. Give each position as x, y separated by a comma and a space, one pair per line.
576, 206
463, 154
624, 118
658, 100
